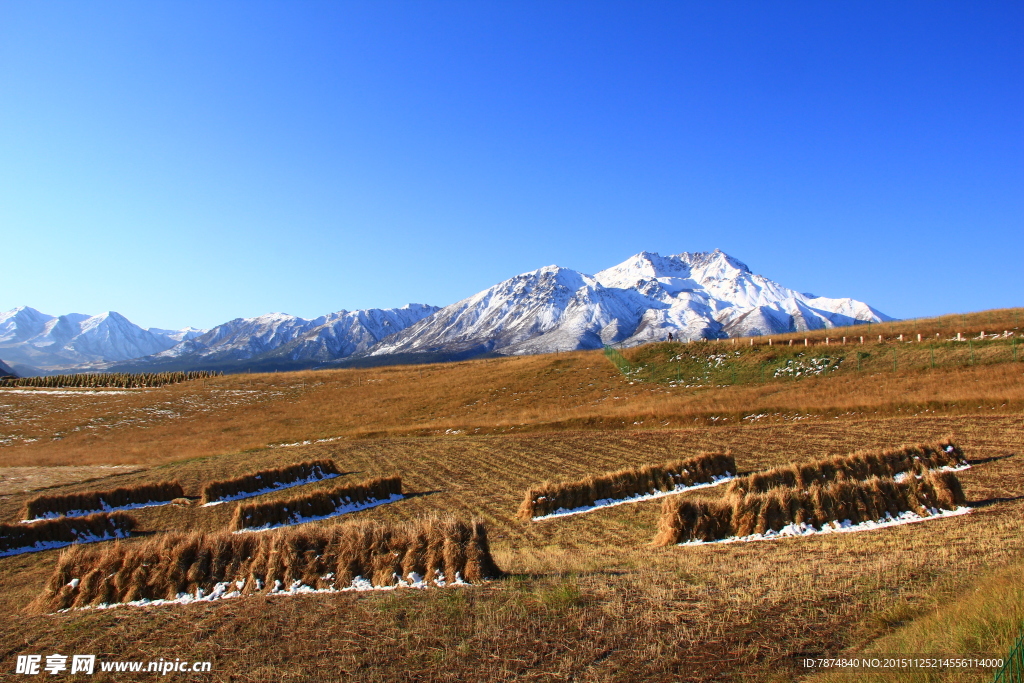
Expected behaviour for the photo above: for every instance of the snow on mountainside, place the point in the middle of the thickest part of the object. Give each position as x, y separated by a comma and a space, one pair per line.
283, 336
698, 295
37, 340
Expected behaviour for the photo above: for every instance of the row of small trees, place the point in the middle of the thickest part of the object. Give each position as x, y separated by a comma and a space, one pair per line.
124, 380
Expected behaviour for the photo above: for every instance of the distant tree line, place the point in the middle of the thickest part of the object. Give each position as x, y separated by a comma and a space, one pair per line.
126, 380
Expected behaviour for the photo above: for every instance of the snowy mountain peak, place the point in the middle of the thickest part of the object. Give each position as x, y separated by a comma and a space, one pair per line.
694, 295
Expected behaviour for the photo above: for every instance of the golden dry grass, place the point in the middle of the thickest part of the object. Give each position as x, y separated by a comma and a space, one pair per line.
742, 514
566, 391
587, 597
65, 530
551, 496
436, 551
270, 478
317, 504
43, 506
886, 463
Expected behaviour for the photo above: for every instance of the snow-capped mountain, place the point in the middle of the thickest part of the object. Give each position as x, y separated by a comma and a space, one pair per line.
34, 340
698, 295
279, 336
692, 295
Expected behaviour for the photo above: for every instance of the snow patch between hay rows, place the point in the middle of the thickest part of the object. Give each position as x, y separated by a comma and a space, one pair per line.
276, 486
105, 508
39, 546
836, 527
609, 502
900, 476
342, 510
232, 589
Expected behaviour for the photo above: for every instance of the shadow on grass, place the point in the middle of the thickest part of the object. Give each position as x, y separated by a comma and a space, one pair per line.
994, 458
993, 501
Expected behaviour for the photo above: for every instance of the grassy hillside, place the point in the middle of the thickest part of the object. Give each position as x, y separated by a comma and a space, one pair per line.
587, 597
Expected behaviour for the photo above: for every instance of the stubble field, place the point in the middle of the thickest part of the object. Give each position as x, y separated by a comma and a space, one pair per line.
586, 597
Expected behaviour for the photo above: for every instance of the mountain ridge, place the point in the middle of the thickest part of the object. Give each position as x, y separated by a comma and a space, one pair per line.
692, 295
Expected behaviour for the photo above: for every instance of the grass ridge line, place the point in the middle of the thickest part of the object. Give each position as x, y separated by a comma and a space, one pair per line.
861, 465
551, 496
79, 504
316, 504
321, 558
65, 530
742, 514
268, 479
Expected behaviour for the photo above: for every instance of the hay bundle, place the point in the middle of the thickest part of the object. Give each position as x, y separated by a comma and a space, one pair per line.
743, 514
65, 530
78, 504
552, 496
265, 480
435, 551
859, 466
318, 504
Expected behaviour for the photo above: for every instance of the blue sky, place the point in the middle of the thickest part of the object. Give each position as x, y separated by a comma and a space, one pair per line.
188, 163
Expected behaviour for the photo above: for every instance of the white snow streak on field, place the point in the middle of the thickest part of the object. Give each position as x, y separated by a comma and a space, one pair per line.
846, 526
105, 508
50, 545
221, 590
344, 509
276, 486
609, 502
72, 392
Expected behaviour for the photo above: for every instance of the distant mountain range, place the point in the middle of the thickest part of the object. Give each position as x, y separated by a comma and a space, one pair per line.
703, 295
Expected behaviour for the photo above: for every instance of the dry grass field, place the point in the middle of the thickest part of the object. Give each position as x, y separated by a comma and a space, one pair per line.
585, 597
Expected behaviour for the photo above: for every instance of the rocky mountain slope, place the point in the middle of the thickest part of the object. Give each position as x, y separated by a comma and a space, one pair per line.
692, 295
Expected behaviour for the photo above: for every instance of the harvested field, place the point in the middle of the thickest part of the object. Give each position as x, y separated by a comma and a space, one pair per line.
798, 511
196, 567
591, 600
80, 504
54, 533
265, 481
637, 483
318, 505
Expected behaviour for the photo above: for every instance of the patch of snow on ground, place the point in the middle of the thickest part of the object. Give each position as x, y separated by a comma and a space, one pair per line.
846, 526
900, 476
50, 545
307, 442
232, 589
277, 486
71, 392
609, 502
344, 509
105, 508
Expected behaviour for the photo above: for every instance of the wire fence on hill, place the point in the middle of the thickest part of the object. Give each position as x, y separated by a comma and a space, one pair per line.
722, 362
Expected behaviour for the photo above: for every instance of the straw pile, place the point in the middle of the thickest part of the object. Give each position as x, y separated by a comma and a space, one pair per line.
743, 514
437, 551
64, 530
552, 496
78, 504
917, 459
268, 480
318, 504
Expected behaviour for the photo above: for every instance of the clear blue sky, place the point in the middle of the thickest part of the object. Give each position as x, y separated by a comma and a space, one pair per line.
185, 163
